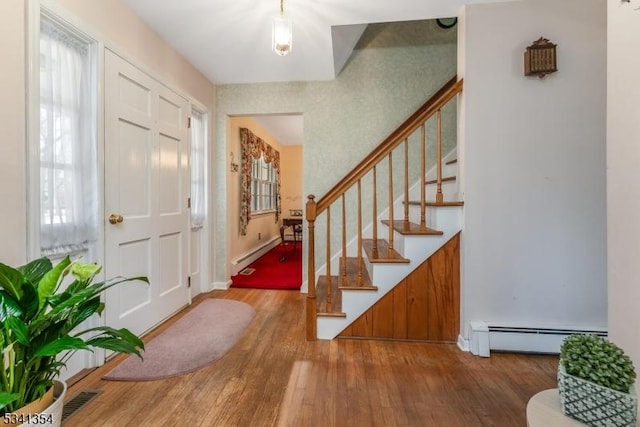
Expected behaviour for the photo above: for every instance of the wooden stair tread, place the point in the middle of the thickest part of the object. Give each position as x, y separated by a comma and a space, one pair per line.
407, 228
445, 179
336, 298
351, 281
436, 204
450, 162
444, 204
383, 253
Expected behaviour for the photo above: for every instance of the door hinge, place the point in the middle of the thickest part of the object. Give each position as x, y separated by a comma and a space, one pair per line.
189, 123
188, 281
189, 203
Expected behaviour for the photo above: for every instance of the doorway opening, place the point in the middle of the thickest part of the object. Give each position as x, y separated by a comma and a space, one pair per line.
258, 208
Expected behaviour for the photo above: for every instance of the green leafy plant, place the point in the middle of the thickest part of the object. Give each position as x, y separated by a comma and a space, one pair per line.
38, 320
598, 360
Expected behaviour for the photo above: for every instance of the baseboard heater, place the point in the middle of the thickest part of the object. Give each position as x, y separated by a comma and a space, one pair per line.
248, 258
521, 339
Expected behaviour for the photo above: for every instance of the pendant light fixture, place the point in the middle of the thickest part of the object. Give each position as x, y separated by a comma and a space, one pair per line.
281, 33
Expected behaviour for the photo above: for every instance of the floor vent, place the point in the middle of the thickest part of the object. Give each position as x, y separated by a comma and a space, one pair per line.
78, 401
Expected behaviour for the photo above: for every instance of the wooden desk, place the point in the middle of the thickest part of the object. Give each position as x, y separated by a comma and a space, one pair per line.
296, 227
291, 222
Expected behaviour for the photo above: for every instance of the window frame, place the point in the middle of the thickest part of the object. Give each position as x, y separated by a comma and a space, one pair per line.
36, 11
264, 178
202, 152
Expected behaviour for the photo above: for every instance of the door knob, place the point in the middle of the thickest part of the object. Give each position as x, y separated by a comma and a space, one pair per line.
115, 219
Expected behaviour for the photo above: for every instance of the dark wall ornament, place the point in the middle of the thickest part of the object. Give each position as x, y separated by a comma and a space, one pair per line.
629, 1
540, 58
446, 23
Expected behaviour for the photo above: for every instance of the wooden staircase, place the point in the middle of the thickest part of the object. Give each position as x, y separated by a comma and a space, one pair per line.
389, 275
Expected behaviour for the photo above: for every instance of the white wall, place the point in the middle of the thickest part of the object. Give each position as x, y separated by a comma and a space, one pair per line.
534, 240
623, 175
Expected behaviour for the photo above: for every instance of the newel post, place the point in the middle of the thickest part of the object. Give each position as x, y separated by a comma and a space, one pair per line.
311, 270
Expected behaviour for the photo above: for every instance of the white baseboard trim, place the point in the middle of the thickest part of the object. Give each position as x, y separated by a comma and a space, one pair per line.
221, 285
463, 343
207, 287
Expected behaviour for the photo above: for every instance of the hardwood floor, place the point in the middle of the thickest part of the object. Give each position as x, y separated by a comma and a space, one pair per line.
273, 377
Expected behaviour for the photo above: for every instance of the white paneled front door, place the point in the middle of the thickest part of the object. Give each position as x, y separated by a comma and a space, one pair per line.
146, 194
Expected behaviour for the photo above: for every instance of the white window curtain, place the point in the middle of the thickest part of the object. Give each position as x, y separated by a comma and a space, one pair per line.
68, 165
198, 141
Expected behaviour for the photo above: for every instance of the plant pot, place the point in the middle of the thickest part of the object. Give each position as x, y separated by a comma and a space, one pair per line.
46, 411
595, 405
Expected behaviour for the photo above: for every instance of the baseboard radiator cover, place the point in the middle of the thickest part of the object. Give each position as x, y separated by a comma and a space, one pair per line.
483, 338
240, 263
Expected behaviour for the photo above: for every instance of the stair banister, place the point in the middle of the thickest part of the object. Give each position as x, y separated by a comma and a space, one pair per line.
406, 182
360, 266
390, 192
439, 195
435, 103
328, 262
312, 308
375, 210
417, 121
423, 171
343, 271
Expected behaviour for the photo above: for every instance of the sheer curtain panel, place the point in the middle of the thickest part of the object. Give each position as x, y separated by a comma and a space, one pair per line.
68, 165
198, 139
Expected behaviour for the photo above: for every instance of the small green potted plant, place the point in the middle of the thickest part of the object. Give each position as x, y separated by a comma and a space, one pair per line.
39, 315
595, 381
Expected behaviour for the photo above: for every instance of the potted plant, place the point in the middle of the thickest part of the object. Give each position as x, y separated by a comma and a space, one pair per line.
595, 381
39, 316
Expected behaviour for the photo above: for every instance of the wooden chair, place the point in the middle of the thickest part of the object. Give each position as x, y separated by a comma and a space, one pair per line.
295, 236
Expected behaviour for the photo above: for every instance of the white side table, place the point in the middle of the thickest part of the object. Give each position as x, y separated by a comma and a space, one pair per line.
543, 410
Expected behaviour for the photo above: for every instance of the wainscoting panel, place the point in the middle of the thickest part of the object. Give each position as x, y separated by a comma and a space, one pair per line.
424, 306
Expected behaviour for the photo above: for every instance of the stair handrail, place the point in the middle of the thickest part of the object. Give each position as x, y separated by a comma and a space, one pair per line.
452, 88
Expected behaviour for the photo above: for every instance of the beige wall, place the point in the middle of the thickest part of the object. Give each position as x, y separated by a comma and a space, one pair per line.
623, 176
291, 185
262, 229
13, 228
114, 23
122, 28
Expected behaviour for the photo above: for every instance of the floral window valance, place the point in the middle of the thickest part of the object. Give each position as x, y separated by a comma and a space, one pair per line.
254, 147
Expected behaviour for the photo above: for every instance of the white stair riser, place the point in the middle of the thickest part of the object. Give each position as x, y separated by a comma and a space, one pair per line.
386, 276
447, 170
415, 248
450, 192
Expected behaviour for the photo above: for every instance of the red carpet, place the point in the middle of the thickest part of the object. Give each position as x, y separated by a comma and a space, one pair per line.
271, 273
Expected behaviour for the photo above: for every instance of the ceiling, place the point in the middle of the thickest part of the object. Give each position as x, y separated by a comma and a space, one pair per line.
285, 128
229, 41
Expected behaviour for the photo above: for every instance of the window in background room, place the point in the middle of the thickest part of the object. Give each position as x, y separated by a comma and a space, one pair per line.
264, 184
67, 147
198, 176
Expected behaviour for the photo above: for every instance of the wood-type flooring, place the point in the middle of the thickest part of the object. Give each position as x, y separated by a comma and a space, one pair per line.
274, 377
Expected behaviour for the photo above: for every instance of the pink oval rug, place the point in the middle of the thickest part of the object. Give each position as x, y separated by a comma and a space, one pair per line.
199, 338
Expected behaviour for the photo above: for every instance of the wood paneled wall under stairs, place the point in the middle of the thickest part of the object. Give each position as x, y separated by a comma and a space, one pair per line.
424, 306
